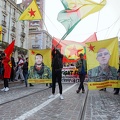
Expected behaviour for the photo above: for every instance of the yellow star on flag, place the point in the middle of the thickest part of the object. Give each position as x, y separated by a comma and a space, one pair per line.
31, 12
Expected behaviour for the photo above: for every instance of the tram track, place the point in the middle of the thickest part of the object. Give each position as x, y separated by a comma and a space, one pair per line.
82, 114
24, 96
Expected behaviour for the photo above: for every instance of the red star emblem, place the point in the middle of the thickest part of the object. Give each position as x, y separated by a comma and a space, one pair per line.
73, 51
32, 52
91, 48
32, 13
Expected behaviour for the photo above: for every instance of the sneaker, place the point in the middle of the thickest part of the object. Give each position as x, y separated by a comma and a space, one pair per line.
31, 85
61, 97
3, 89
116, 93
6, 89
83, 91
51, 96
77, 91
104, 89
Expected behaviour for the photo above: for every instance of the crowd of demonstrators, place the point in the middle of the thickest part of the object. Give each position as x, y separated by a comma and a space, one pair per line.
56, 72
20, 70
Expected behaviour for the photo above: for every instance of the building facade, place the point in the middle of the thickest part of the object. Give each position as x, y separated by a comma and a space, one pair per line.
40, 40
12, 29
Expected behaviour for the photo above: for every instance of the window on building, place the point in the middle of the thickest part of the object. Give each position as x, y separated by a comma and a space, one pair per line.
4, 17
13, 24
22, 29
22, 44
3, 36
14, 11
4, 2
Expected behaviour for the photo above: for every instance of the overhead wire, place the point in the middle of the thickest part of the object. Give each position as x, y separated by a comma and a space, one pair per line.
53, 25
50, 21
114, 24
83, 34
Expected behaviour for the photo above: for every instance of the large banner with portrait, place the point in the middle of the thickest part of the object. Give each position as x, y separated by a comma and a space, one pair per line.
102, 64
40, 66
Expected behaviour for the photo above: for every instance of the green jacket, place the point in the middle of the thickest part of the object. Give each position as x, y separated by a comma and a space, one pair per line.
96, 74
33, 74
79, 65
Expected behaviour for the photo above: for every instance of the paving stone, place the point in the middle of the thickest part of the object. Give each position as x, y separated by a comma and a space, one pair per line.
102, 105
67, 109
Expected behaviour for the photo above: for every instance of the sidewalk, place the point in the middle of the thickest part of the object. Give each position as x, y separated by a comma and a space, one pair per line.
11, 84
102, 105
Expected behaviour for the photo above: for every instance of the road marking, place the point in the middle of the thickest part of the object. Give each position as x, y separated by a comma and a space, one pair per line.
36, 109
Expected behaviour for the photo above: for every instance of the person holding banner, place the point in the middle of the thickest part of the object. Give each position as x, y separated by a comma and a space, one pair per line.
104, 71
39, 70
118, 77
57, 66
81, 65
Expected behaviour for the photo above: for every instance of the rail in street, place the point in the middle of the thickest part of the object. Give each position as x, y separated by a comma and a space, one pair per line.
36, 105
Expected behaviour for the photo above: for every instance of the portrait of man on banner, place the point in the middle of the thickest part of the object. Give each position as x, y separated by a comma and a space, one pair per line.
102, 59
104, 71
39, 66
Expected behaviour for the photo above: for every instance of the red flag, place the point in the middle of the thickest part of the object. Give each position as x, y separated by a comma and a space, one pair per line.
9, 48
71, 49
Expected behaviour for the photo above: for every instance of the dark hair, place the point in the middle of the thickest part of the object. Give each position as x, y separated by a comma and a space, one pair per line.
39, 54
81, 54
57, 53
26, 58
2, 54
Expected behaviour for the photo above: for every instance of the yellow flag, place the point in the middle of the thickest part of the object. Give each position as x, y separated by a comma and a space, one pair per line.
92, 49
44, 74
0, 33
102, 64
31, 12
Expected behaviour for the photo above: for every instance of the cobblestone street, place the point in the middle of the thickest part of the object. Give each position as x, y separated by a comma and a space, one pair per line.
102, 105
37, 106
32, 103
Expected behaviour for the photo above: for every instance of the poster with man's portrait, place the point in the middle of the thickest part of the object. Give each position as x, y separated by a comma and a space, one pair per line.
102, 63
39, 70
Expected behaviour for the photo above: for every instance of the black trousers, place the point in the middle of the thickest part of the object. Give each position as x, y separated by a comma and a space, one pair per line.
56, 77
82, 78
12, 74
6, 82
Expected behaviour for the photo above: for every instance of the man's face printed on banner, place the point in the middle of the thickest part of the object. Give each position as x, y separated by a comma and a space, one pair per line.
38, 59
103, 56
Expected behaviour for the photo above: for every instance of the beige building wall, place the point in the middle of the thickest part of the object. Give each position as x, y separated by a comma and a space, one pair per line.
12, 28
